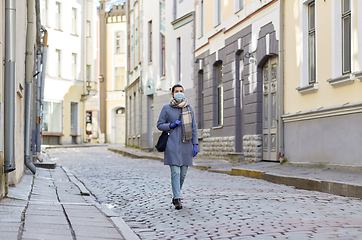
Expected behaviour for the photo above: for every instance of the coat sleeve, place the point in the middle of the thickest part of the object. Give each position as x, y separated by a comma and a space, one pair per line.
195, 139
162, 122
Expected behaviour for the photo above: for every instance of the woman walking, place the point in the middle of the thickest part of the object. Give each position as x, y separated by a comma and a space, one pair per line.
182, 142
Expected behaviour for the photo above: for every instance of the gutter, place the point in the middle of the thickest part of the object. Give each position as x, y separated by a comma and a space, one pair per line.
29, 64
9, 86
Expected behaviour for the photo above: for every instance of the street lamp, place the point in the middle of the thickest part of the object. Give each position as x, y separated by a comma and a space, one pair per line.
88, 89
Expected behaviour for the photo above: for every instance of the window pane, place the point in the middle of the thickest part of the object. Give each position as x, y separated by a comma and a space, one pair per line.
46, 116
88, 72
57, 118
345, 6
346, 41
312, 58
311, 16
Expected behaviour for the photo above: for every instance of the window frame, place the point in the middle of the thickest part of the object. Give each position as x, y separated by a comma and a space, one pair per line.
74, 21
150, 42
219, 94
58, 53
88, 75
163, 55
346, 15
58, 7
74, 66
312, 47
89, 29
50, 116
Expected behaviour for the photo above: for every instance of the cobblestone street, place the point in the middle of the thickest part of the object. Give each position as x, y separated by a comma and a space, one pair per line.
215, 206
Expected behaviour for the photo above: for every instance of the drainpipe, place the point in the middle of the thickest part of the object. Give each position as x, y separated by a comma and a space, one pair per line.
9, 86
281, 78
36, 146
30, 40
41, 88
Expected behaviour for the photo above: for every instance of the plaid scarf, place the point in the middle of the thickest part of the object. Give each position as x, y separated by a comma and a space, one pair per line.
186, 118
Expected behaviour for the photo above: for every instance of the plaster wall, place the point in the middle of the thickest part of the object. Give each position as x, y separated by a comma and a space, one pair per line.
325, 140
327, 56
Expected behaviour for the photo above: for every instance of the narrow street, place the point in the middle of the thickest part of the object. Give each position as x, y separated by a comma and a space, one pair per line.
216, 206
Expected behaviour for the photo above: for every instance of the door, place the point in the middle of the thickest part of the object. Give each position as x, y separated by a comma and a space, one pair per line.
120, 126
270, 137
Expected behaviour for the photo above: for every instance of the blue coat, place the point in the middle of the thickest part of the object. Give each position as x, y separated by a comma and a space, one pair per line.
176, 153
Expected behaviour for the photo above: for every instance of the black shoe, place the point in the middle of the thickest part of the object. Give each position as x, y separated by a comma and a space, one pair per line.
177, 203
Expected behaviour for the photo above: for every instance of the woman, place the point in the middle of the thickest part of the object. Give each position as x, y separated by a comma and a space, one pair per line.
182, 142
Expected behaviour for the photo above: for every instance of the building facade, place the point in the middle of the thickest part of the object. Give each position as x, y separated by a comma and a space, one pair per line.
323, 101
71, 68
160, 54
113, 69
237, 77
18, 82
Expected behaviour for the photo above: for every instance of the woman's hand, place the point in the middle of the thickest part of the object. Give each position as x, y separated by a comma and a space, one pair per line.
194, 150
176, 123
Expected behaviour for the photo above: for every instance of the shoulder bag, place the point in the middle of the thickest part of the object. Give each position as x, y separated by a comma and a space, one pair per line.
162, 141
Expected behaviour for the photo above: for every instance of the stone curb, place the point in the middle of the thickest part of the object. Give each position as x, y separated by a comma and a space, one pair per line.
125, 230
332, 187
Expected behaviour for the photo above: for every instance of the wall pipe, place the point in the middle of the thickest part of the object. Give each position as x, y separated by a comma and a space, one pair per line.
30, 41
9, 86
37, 141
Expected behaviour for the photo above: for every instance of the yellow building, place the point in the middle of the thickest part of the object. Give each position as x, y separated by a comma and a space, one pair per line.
112, 70
237, 55
323, 74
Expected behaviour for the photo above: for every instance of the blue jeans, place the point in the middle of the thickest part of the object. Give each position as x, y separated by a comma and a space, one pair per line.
178, 175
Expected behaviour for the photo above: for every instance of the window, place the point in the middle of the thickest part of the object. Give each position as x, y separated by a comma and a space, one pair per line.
120, 42
200, 99
163, 55
311, 43
52, 117
44, 12
74, 20
89, 28
74, 65
88, 73
57, 15
239, 4
217, 12
58, 65
219, 94
202, 18
179, 59
132, 46
346, 37
120, 78
73, 118
150, 41
136, 46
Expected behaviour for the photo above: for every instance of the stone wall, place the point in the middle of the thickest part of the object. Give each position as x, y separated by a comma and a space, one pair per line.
253, 148
215, 147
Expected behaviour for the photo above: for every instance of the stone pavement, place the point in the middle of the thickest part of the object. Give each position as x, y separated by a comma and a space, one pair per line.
334, 179
215, 205
54, 205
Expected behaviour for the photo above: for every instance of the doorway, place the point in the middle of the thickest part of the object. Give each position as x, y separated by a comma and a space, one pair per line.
270, 138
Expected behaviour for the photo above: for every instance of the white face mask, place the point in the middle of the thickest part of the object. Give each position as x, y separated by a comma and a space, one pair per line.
178, 96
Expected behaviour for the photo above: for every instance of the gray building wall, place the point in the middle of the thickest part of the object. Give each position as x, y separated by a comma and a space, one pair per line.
240, 121
333, 140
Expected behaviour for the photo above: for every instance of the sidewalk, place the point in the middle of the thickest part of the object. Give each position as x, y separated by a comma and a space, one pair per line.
334, 179
55, 205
